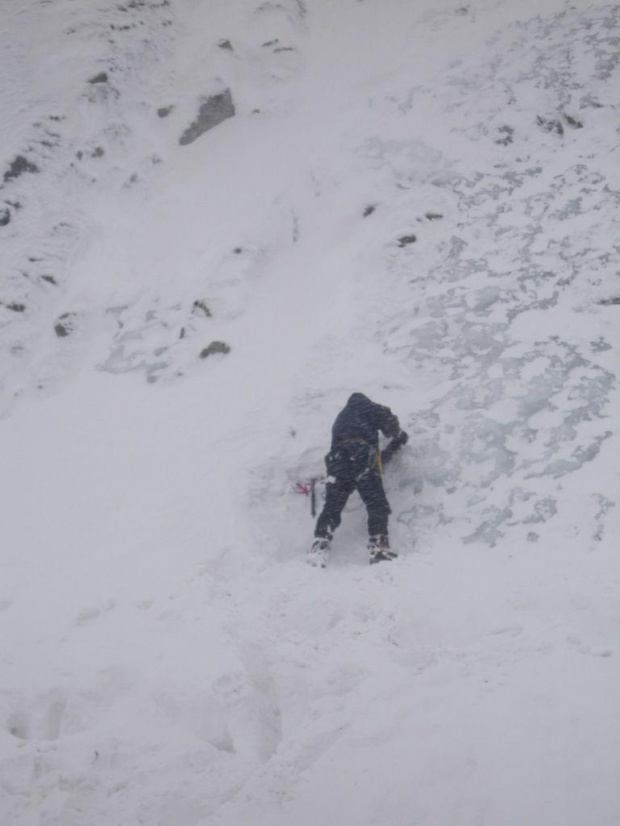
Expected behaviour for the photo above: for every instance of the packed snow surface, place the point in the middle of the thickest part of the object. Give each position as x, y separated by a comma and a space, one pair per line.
217, 220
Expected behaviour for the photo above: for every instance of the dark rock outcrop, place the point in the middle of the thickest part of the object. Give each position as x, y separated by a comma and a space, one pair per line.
213, 111
214, 348
65, 325
18, 166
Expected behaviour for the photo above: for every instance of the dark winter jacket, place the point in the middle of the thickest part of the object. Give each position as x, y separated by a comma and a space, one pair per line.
363, 419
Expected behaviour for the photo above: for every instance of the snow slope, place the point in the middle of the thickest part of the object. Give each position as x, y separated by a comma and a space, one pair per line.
218, 220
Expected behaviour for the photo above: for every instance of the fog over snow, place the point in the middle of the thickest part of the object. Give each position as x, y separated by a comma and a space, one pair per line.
219, 218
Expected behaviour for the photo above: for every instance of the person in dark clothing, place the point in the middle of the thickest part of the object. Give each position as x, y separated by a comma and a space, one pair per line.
354, 462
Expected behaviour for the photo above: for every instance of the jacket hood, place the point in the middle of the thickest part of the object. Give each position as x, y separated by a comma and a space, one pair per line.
357, 398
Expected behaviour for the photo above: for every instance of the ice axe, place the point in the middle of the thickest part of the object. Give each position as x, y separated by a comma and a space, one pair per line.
309, 489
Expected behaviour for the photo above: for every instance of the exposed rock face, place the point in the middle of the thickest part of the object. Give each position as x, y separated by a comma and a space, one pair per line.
65, 325
18, 166
213, 111
215, 347
102, 77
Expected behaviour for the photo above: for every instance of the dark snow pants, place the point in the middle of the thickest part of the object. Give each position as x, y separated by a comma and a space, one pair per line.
353, 466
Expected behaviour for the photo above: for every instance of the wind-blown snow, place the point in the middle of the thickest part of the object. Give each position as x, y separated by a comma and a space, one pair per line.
414, 200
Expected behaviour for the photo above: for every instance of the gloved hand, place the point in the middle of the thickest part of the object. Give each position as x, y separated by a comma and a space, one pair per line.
401, 439
397, 442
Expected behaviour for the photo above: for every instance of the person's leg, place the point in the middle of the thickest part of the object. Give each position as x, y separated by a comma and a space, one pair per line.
370, 487
336, 496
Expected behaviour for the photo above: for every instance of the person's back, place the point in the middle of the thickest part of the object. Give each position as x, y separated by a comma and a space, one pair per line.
354, 463
363, 419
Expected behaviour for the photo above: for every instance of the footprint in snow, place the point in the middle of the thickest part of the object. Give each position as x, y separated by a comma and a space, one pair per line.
584, 648
89, 614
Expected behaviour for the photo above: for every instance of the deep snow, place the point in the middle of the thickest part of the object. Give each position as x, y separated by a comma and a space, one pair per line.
167, 656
